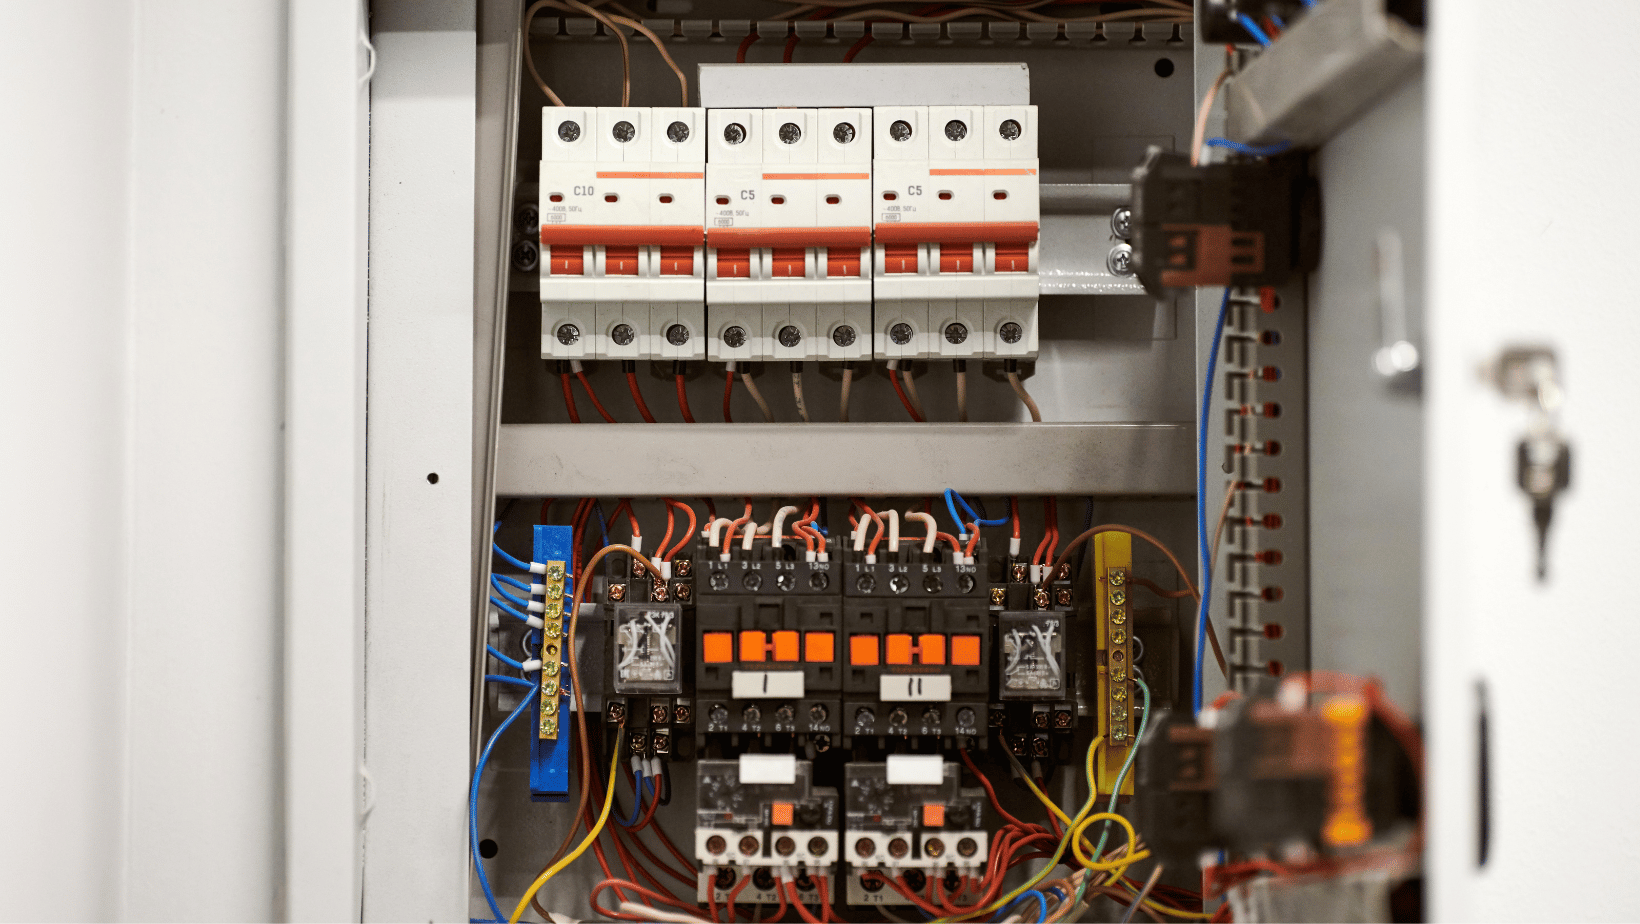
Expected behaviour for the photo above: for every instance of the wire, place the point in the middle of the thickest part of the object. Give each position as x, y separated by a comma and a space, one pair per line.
962, 391
529, 59
951, 494
581, 374
1041, 901
637, 398
746, 43
842, 401
683, 401
1201, 499
728, 391
504, 659
478, 777
859, 46
637, 799
751, 389
1253, 29
1200, 130
626, 53
569, 398
909, 407
911, 390
797, 392
683, 82
1139, 899
511, 681
688, 534
1024, 396
1252, 150
791, 46
603, 816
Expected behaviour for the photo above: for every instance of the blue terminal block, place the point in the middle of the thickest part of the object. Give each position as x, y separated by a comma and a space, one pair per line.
549, 745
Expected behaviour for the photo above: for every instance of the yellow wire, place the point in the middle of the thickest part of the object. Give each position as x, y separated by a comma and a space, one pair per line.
1122, 862
603, 816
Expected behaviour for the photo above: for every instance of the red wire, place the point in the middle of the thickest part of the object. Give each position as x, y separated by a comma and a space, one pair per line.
802, 909
858, 46
825, 898
791, 46
990, 790
734, 894
1013, 511
683, 402
660, 550
780, 912
1053, 526
728, 392
745, 43
569, 399
594, 396
637, 398
895, 378
973, 539
688, 534
729, 534
1036, 557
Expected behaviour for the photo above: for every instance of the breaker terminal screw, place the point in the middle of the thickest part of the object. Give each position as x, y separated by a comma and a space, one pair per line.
866, 583
956, 130
1039, 720
967, 847
752, 714
616, 712
735, 337
1018, 573
900, 130
966, 583
956, 332
1039, 747
931, 716
751, 580
1121, 222
657, 715
1063, 597
865, 847
734, 133
1041, 599
899, 847
785, 846
965, 717
677, 335
683, 566
843, 336
934, 847
817, 713
617, 593
785, 580
725, 878
748, 845
899, 583
843, 133
1011, 332
1016, 743
716, 844
681, 715
818, 580
1118, 578
568, 131
681, 592
719, 580
678, 132
933, 584
637, 743
623, 334
1009, 130
1061, 719
790, 133
864, 716
658, 594
785, 715
623, 131
898, 716
817, 846
901, 333
568, 334
789, 336
719, 715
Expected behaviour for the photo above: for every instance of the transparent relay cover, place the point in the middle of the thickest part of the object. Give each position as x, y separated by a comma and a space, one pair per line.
646, 648
1032, 665
723, 801
872, 803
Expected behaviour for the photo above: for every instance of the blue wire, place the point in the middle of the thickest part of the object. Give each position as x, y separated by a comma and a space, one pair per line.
1309, 4
949, 494
509, 610
637, 801
1253, 29
952, 506
1255, 150
504, 659
1201, 497
1042, 906
598, 508
520, 601
520, 565
509, 579
1277, 20
514, 681
472, 803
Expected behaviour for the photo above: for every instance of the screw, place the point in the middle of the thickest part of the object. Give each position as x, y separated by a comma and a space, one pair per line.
966, 583
997, 718
663, 744
1118, 578
748, 845
843, 336
899, 583
677, 335
967, 847
1040, 598
681, 592
637, 743
1039, 720
1062, 597
956, 130
1119, 694
864, 716
568, 333
865, 847
716, 844
526, 256
931, 716
1063, 573
616, 712
900, 130
1120, 260
817, 846
735, 337
734, 133
789, 336
843, 133
1011, 332
1061, 719
818, 580
790, 133
933, 847
1039, 747
866, 583
752, 580
822, 743
678, 132
956, 332
1118, 712
637, 568
617, 593
1121, 223
898, 716
1018, 573
999, 596
785, 715
1016, 744
1009, 130
568, 131
725, 878
681, 715
658, 595
718, 716
898, 847
683, 566
752, 714
933, 584
657, 715
817, 712
719, 580
901, 333
527, 218
785, 846
1117, 617
623, 131
623, 334
1118, 597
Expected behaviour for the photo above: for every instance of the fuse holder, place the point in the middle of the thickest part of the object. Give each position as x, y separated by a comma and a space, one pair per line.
717, 647
820, 647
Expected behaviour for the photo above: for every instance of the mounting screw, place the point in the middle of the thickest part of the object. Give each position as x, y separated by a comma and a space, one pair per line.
526, 256
900, 130
1120, 260
617, 593
790, 133
568, 333
1121, 223
822, 743
527, 218
1011, 332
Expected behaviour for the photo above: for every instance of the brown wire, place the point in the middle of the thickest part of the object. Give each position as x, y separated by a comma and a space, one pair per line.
529, 56
683, 82
626, 53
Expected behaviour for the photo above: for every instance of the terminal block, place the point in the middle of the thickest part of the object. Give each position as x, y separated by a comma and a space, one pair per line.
760, 816
622, 233
789, 234
549, 746
909, 819
956, 215
768, 650
1116, 701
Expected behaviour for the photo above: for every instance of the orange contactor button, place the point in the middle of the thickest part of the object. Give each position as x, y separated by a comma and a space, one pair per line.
965, 650
956, 258
786, 646
900, 258
842, 263
897, 650
677, 261
1013, 258
620, 261
862, 649
734, 264
933, 648
787, 264
933, 816
780, 813
753, 646
819, 646
566, 261
717, 647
